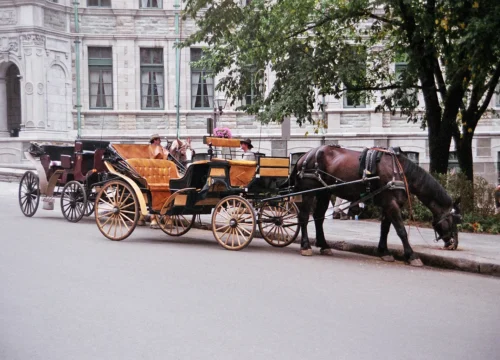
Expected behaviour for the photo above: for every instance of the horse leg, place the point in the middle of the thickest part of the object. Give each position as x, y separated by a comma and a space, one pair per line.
397, 221
319, 217
304, 209
383, 251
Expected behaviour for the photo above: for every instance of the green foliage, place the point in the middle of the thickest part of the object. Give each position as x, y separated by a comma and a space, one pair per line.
477, 204
329, 47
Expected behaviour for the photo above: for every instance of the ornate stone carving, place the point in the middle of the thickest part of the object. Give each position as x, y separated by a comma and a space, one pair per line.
54, 19
33, 39
9, 44
39, 88
28, 52
29, 88
39, 52
8, 17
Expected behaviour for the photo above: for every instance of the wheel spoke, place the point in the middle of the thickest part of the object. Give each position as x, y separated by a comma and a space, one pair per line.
222, 227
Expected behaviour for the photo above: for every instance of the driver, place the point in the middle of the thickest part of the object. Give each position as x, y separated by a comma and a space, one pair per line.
156, 151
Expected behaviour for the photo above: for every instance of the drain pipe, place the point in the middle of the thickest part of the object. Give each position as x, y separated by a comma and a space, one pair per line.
77, 70
177, 66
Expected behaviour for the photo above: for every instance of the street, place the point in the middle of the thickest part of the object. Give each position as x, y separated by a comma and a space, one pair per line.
70, 293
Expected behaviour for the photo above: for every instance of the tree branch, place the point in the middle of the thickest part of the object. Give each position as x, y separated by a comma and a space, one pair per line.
492, 84
440, 79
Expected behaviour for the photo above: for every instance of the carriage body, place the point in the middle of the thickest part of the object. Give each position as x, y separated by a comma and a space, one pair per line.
231, 190
69, 171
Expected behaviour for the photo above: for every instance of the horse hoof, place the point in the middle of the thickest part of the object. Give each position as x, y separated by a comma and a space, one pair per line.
326, 252
306, 252
388, 258
416, 262
450, 246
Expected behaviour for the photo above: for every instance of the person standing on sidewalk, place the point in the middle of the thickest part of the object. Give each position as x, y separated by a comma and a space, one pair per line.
497, 200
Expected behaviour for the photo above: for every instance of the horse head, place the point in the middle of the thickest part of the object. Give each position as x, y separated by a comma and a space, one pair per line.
182, 151
446, 226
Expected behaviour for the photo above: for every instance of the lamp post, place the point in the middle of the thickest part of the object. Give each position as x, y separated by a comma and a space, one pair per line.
219, 105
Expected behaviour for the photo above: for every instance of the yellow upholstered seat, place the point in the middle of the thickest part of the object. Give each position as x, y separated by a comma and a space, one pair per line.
157, 174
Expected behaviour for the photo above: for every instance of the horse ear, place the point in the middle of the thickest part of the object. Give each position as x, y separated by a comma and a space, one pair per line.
457, 202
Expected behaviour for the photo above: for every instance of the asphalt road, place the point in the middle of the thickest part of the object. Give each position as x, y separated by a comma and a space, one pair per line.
69, 293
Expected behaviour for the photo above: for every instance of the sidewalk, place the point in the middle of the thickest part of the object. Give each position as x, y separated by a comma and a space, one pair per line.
476, 253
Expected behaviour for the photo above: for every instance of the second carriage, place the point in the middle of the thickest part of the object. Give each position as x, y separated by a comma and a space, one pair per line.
233, 191
72, 172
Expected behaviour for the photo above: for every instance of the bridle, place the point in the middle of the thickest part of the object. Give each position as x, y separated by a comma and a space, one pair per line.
454, 231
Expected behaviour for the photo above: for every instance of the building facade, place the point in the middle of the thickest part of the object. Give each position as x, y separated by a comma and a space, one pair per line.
128, 73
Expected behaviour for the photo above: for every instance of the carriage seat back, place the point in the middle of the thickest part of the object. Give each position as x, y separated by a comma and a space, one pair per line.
241, 172
132, 151
156, 172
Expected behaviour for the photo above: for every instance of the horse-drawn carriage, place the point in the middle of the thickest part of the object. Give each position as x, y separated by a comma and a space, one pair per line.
232, 190
69, 171
241, 195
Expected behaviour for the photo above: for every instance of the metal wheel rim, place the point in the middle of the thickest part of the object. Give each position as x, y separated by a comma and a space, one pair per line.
279, 235
29, 193
175, 225
73, 201
229, 235
113, 224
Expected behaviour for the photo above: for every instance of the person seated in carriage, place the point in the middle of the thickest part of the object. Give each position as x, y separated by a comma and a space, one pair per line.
156, 151
246, 146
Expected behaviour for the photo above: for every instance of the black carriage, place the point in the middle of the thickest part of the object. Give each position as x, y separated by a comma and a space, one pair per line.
69, 171
231, 190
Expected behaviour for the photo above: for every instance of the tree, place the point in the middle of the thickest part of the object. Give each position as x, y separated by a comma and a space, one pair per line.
450, 49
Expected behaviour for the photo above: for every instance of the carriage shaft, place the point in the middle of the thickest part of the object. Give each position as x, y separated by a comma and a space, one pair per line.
320, 189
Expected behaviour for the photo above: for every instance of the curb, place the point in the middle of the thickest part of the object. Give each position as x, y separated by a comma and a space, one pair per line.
11, 175
431, 260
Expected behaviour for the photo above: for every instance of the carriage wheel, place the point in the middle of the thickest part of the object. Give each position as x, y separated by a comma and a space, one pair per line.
278, 223
116, 210
175, 225
73, 201
233, 222
29, 193
89, 209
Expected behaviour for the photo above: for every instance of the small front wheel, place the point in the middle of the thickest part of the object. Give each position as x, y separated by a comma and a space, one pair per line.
116, 210
173, 222
233, 222
29, 193
278, 223
73, 201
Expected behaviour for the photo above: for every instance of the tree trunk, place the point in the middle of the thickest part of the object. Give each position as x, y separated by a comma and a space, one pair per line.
464, 154
439, 152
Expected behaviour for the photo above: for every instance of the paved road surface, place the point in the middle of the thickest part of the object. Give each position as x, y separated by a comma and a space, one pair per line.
69, 293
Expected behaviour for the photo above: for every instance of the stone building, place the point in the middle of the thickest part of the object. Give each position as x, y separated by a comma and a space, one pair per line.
128, 87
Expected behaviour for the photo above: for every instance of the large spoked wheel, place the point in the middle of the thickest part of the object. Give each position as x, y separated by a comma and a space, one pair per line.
29, 193
171, 223
233, 222
73, 201
116, 210
278, 223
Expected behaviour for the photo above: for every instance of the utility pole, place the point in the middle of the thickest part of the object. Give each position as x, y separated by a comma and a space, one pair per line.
177, 7
77, 70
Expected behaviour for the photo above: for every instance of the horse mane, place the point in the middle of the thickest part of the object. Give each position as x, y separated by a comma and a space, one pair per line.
423, 184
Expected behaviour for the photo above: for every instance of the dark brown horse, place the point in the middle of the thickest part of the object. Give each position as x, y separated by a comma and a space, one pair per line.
329, 165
